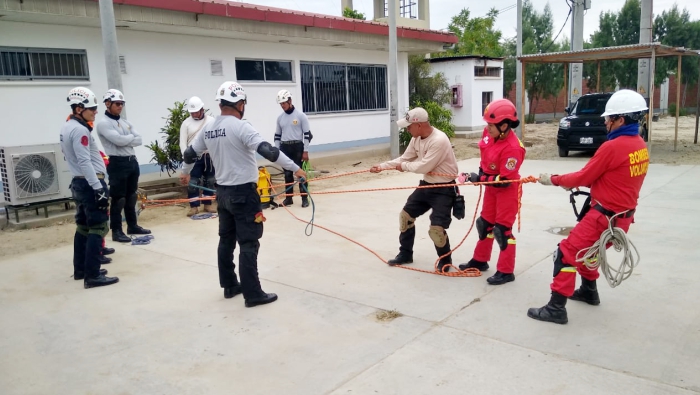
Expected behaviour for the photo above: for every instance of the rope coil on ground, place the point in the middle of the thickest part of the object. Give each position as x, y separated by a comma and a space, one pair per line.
595, 256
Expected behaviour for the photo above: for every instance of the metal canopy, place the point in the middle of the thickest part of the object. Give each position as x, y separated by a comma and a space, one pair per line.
636, 51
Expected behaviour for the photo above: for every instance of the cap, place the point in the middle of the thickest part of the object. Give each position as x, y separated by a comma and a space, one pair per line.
414, 116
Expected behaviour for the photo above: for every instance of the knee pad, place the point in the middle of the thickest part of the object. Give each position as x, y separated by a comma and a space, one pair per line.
559, 265
193, 189
406, 222
438, 236
503, 236
101, 229
83, 230
484, 227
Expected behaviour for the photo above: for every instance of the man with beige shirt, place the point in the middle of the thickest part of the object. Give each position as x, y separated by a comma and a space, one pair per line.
429, 151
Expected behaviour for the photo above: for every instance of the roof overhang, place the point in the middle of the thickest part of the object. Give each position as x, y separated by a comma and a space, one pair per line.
636, 51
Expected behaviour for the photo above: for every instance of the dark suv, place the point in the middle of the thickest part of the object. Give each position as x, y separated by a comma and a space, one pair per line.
584, 128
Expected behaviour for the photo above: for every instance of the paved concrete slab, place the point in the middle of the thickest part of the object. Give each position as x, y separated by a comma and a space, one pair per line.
166, 328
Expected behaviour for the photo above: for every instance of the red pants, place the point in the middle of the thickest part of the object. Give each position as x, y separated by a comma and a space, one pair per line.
584, 235
500, 208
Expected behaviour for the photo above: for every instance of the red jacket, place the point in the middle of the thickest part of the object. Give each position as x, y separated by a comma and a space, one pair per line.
501, 157
615, 173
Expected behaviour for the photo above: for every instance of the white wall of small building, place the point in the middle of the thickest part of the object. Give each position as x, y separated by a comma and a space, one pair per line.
164, 68
461, 71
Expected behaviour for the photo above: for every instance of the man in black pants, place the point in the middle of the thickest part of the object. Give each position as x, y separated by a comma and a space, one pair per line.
119, 137
293, 137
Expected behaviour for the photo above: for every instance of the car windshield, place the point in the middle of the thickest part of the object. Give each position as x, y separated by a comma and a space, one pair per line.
594, 105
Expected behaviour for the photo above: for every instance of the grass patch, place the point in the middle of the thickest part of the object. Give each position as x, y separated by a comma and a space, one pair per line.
387, 315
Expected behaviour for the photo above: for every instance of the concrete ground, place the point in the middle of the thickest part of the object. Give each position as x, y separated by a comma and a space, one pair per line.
165, 328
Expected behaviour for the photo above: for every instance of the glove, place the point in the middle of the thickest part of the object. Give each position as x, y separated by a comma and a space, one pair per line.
463, 177
471, 177
545, 179
101, 199
474, 177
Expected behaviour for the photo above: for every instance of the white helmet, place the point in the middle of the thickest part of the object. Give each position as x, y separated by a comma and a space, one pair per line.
194, 104
82, 96
625, 102
283, 96
231, 91
113, 95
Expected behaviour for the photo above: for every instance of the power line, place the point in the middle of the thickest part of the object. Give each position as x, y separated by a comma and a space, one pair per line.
560, 30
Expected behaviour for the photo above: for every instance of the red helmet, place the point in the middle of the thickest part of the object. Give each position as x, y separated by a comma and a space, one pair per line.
500, 110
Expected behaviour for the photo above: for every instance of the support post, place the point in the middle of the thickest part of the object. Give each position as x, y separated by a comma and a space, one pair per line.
678, 100
652, 88
519, 81
597, 82
697, 110
111, 49
522, 104
393, 82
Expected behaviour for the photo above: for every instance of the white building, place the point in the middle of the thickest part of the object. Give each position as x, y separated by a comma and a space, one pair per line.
475, 82
336, 68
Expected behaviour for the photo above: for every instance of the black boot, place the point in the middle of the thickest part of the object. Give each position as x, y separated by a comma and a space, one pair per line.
500, 278
118, 235
474, 264
443, 265
107, 251
588, 292
104, 260
137, 230
401, 259
554, 311
81, 275
230, 292
304, 202
99, 281
288, 201
267, 298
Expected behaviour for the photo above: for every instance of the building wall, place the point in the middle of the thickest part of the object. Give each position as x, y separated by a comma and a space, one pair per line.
164, 68
461, 71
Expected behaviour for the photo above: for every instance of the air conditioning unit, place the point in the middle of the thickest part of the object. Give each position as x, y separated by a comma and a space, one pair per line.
34, 174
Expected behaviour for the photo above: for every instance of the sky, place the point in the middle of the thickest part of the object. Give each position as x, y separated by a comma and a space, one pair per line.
441, 11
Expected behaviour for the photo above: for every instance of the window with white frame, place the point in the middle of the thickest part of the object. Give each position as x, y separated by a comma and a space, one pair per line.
264, 70
341, 87
486, 98
43, 64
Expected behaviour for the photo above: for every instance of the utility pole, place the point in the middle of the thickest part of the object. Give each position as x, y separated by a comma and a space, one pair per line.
393, 82
645, 37
576, 69
519, 83
110, 47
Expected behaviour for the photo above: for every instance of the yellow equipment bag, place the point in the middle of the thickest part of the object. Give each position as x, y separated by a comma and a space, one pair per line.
264, 184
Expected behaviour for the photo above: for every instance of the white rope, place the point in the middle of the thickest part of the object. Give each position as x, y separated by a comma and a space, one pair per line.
595, 256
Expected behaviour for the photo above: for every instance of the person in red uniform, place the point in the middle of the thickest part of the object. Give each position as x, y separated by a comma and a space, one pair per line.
502, 154
615, 175
105, 250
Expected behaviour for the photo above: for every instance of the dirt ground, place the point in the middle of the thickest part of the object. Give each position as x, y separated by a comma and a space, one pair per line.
540, 141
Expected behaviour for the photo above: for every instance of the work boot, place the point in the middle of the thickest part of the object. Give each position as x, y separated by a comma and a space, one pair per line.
267, 298
230, 292
107, 251
554, 311
104, 260
304, 202
401, 259
99, 281
474, 264
210, 208
587, 292
118, 235
81, 275
288, 201
500, 278
137, 230
443, 266
193, 211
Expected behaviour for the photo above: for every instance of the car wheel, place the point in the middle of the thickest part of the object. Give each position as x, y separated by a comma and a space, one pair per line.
563, 152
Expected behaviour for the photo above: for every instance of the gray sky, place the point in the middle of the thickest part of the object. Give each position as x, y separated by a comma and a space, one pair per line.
441, 11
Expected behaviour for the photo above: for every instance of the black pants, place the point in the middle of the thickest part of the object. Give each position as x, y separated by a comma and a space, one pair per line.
90, 221
240, 219
201, 174
123, 174
440, 200
294, 152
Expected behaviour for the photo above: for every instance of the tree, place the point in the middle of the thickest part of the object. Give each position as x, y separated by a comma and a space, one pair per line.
168, 156
477, 36
352, 14
424, 87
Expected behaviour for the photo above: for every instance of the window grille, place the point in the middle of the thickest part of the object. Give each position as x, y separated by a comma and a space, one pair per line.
339, 87
486, 98
43, 64
481, 71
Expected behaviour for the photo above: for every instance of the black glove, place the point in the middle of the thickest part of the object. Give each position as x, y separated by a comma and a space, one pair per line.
101, 198
473, 177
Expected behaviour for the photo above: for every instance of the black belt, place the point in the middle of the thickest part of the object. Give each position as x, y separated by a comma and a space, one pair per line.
290, 142
124, 158
248, 185
609, 213
422, 182
100, 176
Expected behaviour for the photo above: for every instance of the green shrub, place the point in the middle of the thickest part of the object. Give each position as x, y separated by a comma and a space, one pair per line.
440, 118
168, 156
